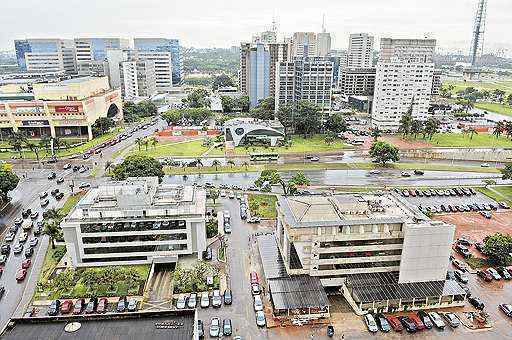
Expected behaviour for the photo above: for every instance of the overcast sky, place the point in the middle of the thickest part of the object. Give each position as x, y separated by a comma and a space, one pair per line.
223, 23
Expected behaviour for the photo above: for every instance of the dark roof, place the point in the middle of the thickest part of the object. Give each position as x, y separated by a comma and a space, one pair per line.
296, 292
370, 287
271, 259
126, 328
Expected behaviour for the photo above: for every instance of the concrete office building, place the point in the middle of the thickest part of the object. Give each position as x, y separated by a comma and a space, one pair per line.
304, 79
360, 51
323, 43
348, 238
138, 79
404, 80
254, 76
278, 52
167, 56
436, 82
45, 55
136, 221
62, 109
92, 52
303, 44
266, 37
95, 68
357, 81
114, 59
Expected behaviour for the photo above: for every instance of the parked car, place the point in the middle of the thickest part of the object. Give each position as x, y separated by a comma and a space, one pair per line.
228, 297
494, 273
370, 323
408, 324
26, 264
208, 254
52, 175
5, 249
21, 274
215, 327
258, 303
216, 299
59, 196
200, 328
205, 300
79, 306
53, 309
192, 301
91, 306
181, 302
484, 275
452, 319
9, 237
3, 259
67, 166
132, 305
102, 305
254, 278
476, 302
227, 328
60, 180
463, 250
480, 247
66, 307
260, 319
395, 323
504, 273
84, 185
382, 323
461, 277
425, 319
121, 304
255, 289
450, 275
417, 321
2, 292
459, 265
506, 308
436, 320
227, 228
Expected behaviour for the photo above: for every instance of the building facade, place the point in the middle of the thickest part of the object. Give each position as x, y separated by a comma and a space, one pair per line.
403, 81
62, 109
304, 79
167, 56
303, 44
91, 52
357, 81
436, 82
360, 51
254, 76
279, 52
138, 79
45, 55
114, 59
137, 221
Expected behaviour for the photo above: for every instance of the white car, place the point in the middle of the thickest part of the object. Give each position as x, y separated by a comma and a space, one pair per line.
260, 319
494, 273
484, 165
216, 298
222, 193
3, 259
181, 303
192, 301
23, 237
436, 320
205, 300
370, 323
227, 228
258, 303
215, 327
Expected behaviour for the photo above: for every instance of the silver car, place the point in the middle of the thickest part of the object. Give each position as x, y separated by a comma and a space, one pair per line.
258, 303
215, 327
260, 319
436, 320
370, 323
216, 298
192, 301
205, 300
181, 303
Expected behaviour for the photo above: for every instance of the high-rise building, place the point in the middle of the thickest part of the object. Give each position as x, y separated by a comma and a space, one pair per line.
166, 55
114, 58
323, 41
266, 37
254, 74
138, 79
436, 82
403, 81
45, 55
278, 52
357, 81
90, 50
360, 51
96, 68
303, 44
304, 79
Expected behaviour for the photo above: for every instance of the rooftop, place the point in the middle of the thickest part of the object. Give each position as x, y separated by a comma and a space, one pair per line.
276, 124
347, 209
76, 80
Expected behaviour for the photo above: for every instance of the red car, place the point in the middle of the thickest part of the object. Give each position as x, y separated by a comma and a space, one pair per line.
66, 307
509, 269
484, 275
395, 323
417, 321
21, 274
254, 278
26, 264
102, 305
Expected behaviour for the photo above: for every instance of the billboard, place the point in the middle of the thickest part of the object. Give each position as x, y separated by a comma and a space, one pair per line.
66, 108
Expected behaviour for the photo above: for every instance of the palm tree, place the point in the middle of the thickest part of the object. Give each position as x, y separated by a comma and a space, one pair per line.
375, 133
108, 164
499, 128
472, 132
214, 195
34, 148
231, 162
56, 144
138, 141
17, 140
216, 164
52, 229
154, 142
245, 164
145, 142
44, 143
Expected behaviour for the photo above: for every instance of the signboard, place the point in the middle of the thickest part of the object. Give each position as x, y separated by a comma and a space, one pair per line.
67, 108
35, 123
29, 109
111, 97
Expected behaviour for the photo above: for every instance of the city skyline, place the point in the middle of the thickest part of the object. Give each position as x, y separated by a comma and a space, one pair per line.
128, 18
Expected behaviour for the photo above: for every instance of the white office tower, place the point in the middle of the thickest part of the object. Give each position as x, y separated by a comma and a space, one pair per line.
304, 44
360, 51
304, 79
323, 42
91, 53
114, 59
45, 55
158, 50
138, 79
403, 81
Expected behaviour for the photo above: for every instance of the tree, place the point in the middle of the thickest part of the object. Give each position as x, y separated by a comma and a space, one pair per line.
172, 117
228, 104
329, 138
499, 128
375, 133
300, 179
264, 110
214, 195
472, 131
52, 228
406, 122
416, 127
102, 125
498, 247
153, 142
336, 123
244, 103
44, 143
286, 116
8, 182
499, 94
231, 162
139, 142
383, 152
216, 164
222, 80
245, 164
431, 127
134, 112
509, 99
17, 140
34, 148
138, 166
308, 118
198, 98
56, 144
506, 172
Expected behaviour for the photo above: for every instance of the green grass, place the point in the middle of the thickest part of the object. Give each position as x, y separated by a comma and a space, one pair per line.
323, 166
222, 254
263, 206
476, 262
495, 107
498, 193
461, 85
193, 148
70, 203
465, 140
51, 259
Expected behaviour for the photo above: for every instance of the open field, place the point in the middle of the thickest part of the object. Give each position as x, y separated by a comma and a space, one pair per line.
498, 193
494, 107
263, 206
322, 166
192, 148
505, 85
464, 140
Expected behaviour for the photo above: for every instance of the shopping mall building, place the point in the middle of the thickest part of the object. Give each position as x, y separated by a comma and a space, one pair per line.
67, 108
